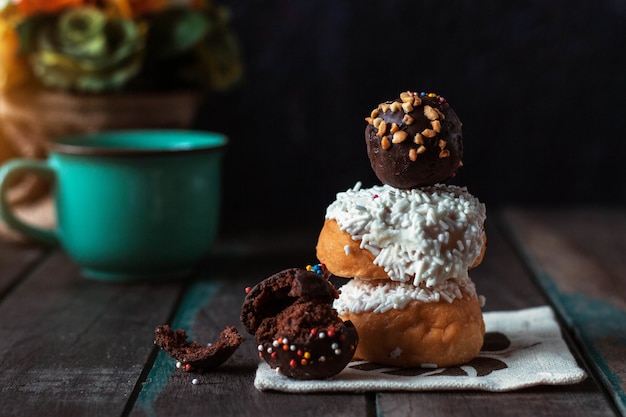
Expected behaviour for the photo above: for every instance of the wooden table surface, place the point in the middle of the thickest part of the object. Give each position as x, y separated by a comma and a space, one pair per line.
74, 347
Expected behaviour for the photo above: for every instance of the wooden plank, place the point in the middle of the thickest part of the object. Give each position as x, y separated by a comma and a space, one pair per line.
74, 347
16, 259
208, 307
577, 400
507, 285
577, 256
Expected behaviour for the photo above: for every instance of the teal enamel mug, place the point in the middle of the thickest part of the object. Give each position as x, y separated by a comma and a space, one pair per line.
130, 205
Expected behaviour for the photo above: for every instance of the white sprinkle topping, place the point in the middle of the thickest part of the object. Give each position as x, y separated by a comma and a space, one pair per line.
381, 295
427, 235
178, 364
429, 365
259, 348
195, 381
346, 249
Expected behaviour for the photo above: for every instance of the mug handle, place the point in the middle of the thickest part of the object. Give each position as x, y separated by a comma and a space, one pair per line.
13, 170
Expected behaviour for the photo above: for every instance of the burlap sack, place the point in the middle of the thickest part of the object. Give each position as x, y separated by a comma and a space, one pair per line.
31, 116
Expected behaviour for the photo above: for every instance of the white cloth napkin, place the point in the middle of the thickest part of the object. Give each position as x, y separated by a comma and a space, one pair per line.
522, 348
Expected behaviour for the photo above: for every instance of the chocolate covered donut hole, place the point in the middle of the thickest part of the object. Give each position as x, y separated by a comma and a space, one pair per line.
414, 141
297, 331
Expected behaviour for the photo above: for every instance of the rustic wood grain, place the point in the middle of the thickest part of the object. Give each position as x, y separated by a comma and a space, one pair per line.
16, 259
577, 400
507, 285
70, 346
577, 256
229, 390
73, 347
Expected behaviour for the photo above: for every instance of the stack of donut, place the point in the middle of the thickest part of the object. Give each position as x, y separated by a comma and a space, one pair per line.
407, 245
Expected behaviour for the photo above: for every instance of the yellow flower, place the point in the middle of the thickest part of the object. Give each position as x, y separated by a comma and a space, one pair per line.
13, 67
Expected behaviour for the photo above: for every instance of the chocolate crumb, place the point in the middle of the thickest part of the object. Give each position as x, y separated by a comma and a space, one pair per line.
191, 354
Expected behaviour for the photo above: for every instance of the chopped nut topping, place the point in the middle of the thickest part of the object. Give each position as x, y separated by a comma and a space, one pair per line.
430, 113
444, 153
394, 128
419, 139
395, 106
375, 113
421, 149
460, 164
384, 107
407, 107
436, 124
376, 121
406, 97
442, 143
429, 133
382, 129
413, 154
369, 120
384, 143
408, 120
399, 136
417, 101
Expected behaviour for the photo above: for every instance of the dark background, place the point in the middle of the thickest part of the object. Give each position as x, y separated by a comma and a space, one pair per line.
539, 86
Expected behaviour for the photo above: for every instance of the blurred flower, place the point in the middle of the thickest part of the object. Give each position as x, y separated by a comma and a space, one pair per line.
30, 7
100, 45
13, 67
82, 49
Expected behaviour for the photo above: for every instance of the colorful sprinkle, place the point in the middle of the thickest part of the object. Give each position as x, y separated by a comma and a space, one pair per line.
248, 289
433, 95
319, 269
293, 363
